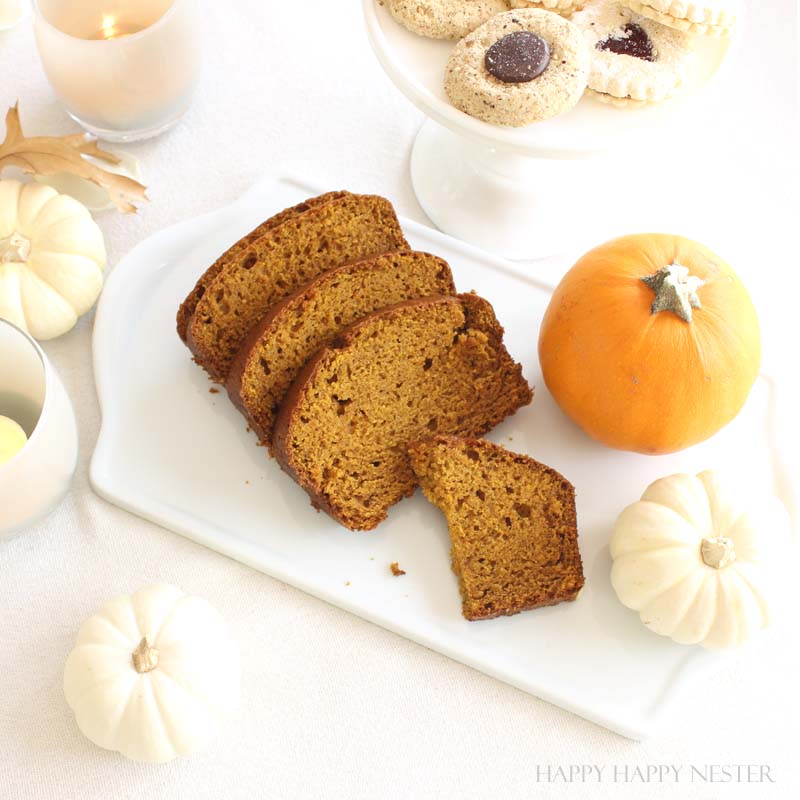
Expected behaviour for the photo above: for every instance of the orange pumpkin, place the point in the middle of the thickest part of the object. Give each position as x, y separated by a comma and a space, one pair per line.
650, 343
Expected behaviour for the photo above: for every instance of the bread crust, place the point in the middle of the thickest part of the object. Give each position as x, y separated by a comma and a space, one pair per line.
190, 303
478, 314
478, 611
274, 250
273, 319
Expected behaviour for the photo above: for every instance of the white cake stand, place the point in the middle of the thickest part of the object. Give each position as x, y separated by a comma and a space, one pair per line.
515, 192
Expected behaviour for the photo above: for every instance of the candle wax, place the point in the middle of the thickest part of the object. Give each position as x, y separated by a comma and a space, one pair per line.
12, 439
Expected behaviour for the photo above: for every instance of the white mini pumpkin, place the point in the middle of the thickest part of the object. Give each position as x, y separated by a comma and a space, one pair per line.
699, 564
52, 257
153, 674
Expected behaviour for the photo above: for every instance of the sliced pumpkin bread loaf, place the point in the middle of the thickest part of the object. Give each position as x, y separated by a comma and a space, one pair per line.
512, 520
395, 376
280, 261
188, 306
295, 328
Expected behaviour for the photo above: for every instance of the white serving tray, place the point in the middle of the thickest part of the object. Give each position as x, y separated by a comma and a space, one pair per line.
176, 454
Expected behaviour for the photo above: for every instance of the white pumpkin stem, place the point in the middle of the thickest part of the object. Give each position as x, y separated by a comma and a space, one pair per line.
145, 657
675, 290
717, 552
14, 248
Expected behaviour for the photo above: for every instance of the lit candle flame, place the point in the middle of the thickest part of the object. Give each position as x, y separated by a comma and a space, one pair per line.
108, 28
112, 29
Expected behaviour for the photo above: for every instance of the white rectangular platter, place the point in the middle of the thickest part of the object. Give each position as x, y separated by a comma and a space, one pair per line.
176, 454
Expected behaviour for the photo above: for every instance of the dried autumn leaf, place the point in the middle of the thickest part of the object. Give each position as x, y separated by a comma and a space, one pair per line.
51, 155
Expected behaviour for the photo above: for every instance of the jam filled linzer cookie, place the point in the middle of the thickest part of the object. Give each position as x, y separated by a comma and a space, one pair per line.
563, 7
444, 19
519, 67
634, 60
696, 17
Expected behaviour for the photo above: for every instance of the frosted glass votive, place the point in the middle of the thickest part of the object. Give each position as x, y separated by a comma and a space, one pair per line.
11, 12
123, 69
36, 478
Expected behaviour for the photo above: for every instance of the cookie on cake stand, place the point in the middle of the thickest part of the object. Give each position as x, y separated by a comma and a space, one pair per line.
518, 191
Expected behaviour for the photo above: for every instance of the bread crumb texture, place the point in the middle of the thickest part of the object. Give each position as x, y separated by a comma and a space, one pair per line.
272, 267
398, 375
292, 331
512, 522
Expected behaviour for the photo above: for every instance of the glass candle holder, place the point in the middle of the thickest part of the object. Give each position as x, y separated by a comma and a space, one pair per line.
36, 479
11, 12
123, 69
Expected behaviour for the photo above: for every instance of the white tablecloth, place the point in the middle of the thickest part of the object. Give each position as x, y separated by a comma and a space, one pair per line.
334, 706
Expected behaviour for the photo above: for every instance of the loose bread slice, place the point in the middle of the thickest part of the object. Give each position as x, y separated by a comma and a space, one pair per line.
513, 528
190, 303
285, 258
397, 375
295, 328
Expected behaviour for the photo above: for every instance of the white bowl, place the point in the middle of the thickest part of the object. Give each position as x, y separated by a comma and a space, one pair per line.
36, 479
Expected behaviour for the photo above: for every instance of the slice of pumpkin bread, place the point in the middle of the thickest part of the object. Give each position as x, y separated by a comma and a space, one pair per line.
513, 527
188, 306
395, 376
280, 261
295, 328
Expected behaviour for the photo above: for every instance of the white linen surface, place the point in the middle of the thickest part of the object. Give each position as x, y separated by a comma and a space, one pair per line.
334, 706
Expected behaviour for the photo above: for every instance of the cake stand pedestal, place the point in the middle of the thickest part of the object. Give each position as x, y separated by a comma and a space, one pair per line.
498, 200
517, 192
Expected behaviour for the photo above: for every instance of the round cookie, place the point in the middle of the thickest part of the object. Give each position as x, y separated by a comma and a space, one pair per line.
519, 67
444, 19
617, 102
563, 7
634, 60
696, 17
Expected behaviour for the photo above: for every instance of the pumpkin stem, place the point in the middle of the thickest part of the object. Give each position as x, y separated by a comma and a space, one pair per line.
145, 658
717, 552
675, 290
14, 248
